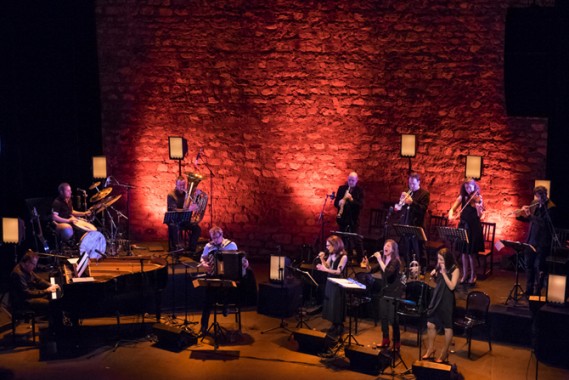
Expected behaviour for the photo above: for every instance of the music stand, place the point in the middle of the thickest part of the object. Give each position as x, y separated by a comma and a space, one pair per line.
453, 235
306, 278
350, 286
413, 232
517, 288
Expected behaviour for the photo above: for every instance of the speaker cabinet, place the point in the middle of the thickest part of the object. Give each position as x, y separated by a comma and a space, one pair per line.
172, 338
279, 300
367, 360
313, 342
426, 370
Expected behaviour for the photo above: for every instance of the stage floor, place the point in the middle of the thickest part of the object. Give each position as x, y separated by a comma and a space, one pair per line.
107, 351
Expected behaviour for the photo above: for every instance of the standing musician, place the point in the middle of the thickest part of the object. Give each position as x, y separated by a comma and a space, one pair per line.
541, 230
333, 264
349, 202
413, 204
179, 200
390, 268
63, 214
471, 207
207, 261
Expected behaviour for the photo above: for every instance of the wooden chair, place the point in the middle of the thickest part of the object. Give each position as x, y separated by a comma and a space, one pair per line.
376, 222
489, 233
477, 305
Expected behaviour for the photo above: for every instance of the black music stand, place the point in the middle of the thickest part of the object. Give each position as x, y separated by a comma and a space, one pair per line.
517, 289
396, 354
414, 233
177, 218
306, 278
453, 236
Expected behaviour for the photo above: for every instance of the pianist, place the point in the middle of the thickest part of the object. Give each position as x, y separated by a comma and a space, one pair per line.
28, 291
176, 200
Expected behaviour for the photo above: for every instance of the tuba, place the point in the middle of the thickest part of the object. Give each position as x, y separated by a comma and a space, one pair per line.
200, 199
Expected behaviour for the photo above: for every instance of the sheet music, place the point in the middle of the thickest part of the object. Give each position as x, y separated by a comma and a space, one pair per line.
347, 283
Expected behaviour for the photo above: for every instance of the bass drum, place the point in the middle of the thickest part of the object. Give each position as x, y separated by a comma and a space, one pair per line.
94, 244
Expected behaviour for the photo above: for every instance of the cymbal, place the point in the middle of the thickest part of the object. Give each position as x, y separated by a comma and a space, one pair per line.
94, 185
110, 200
101, 194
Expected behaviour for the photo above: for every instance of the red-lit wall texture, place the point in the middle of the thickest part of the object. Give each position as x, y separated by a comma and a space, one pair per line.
288, 97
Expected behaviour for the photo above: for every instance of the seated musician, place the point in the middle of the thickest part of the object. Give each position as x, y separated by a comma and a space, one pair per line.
218, 243
63, 214
28, 291
178, 201
334, 300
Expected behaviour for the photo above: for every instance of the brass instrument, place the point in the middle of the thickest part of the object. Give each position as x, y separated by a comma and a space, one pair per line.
401, 203
341, 210
414, 269
192, 197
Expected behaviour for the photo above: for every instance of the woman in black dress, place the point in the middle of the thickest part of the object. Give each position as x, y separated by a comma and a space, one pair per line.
440, 311
471, 208
334, 297
390, 267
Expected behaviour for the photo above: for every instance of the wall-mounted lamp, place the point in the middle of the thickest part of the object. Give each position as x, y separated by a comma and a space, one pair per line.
557, 288
13, 233
99, 167
177, 148
545, 183
473, 167
409, 147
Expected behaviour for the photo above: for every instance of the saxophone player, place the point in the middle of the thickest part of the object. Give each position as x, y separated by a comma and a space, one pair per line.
349, 201
177, 202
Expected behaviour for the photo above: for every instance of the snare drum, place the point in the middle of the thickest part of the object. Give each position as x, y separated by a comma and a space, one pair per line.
94, 243
84, 225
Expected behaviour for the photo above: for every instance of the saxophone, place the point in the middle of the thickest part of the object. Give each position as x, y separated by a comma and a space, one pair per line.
341, 209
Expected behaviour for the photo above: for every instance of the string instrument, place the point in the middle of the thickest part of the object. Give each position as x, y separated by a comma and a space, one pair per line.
343, 203
475, 201
36, 218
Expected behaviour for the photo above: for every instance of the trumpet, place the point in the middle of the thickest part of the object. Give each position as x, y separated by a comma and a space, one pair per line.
401, 203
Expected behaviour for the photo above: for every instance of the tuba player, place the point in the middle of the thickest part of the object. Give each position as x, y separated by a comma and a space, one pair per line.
179, 200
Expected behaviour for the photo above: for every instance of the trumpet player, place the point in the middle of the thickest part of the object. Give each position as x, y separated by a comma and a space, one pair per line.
468, 207
176, 202
541, 230
413, 205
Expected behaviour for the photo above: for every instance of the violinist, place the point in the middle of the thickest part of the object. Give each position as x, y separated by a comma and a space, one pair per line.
176, 202
541, 230
468, 208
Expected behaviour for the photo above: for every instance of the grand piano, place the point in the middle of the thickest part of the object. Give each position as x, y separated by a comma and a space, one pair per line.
119, 285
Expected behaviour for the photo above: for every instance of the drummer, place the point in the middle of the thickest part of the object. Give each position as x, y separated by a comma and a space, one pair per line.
63, 214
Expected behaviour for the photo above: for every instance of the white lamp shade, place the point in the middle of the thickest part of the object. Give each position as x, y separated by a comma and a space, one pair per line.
100, 167
545, 183
11, 230
556, 288
177, 147
473, 167
408, 145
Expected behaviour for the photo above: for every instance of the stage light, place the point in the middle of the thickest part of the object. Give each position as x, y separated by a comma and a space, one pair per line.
556, 289
13, 233
545, 183
408, 147
473, 167
177, 148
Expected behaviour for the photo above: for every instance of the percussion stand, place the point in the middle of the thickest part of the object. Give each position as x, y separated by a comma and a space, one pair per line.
113, 232
121, 215
127, 217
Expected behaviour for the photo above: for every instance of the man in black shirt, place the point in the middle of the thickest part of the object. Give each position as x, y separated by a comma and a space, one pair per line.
176, 202
63, 214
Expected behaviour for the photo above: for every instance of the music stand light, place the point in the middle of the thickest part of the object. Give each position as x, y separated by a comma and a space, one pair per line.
99, 167
177, 149
556, 289
12, 233
473, 167
408, 147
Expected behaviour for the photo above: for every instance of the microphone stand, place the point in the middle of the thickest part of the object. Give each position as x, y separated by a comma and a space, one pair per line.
127, 217
321, 220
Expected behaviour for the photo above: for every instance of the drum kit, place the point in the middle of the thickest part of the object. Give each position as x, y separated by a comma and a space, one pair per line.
103, 241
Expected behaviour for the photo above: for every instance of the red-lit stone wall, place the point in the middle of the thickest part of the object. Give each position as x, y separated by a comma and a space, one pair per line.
287, 97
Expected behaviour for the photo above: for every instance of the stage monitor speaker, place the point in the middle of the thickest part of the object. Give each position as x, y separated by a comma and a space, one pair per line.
426, 370
367, 360
313, 342
279, 300
529, 64
172, 338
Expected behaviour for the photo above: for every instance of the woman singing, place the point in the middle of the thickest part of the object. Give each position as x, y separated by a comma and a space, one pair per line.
439, 313
334, 297
390, 266
471, 208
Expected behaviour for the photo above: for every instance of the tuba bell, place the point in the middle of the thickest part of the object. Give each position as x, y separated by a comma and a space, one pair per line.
193, 196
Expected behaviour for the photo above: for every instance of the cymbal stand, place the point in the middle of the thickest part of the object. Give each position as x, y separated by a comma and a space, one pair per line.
127, 217
121, 215
113, 233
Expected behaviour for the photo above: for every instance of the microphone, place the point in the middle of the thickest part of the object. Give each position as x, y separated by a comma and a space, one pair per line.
333, 195
198, 157
108, 181
81, 190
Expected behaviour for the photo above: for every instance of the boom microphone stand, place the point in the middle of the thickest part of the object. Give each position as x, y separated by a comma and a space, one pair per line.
321, 219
